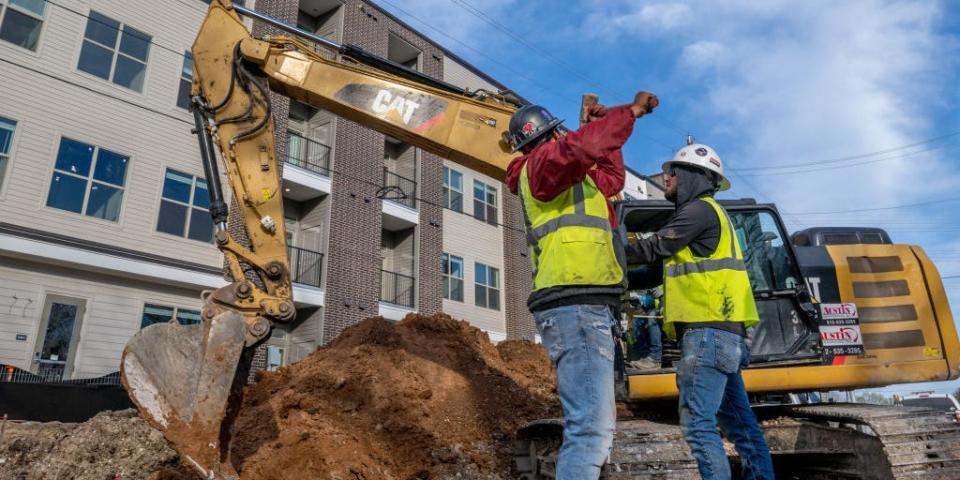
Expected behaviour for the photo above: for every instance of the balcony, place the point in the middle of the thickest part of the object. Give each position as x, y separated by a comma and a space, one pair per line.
305, 266
396, 289
306, 174
399, 203
403, 190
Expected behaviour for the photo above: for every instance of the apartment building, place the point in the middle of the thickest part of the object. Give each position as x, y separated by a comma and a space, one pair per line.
103, 206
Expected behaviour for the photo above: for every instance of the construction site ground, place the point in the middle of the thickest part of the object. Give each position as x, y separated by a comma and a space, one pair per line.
424, 398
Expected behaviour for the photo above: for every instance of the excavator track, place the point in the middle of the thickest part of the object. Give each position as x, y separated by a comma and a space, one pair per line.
868, 442
642, 450
808, 442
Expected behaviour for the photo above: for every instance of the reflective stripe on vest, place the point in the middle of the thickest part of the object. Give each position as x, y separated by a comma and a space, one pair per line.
709, 289
569, 237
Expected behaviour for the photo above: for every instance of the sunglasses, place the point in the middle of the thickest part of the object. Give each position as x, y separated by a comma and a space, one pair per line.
669, 172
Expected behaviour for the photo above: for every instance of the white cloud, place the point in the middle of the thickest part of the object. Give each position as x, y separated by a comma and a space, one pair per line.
703, 56
646, 19
787, 81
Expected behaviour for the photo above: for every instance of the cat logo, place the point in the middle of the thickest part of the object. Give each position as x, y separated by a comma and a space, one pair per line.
386, 103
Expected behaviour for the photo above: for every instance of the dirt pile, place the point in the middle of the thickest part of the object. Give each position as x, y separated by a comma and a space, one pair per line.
424, 398
428, 397
112, 445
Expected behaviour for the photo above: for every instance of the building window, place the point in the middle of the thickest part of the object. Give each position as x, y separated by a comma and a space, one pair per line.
7, 128
88, 180
185, 207
487, 286
452, 272
162, 314
186, 81
452, 189
484, 202
21, 21
114, 51
275, 357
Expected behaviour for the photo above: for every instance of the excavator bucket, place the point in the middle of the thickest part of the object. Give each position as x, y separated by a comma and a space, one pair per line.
182, 378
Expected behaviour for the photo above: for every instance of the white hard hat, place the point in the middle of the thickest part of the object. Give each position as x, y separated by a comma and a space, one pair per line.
703, 157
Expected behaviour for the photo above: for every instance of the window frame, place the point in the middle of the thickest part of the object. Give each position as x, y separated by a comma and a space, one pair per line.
5, 6
186, 56
485, 215
190, 206
89, 179
6, 159
447, 277
115, 53
176, 313
283, 357
447, 188
486, 286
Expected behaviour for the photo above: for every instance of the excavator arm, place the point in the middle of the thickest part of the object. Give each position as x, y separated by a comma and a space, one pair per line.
187, 380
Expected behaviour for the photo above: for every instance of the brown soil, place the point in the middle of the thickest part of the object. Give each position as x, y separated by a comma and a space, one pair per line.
424, 398
428, 397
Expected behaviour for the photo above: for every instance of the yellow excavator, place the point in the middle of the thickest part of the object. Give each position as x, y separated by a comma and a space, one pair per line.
187, 380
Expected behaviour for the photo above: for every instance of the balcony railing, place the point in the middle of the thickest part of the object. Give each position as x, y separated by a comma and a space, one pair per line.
402, 184
396, 288
309, 154
305, 265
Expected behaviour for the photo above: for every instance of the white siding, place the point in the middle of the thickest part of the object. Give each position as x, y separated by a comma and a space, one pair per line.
475, 241
113, 312
461, 76
635, 186
47, 109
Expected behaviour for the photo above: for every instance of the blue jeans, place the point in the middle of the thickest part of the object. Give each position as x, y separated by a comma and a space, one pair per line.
649, 342
712, 394
580, 343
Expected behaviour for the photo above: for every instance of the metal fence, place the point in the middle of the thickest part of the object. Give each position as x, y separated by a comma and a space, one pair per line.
47, 374
396, 288
305, 265
309, 154
403, 184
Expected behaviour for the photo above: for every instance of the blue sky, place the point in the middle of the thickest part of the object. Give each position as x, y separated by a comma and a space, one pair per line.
786, 92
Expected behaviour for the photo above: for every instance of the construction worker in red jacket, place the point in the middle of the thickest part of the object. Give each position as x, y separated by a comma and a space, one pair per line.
564, 179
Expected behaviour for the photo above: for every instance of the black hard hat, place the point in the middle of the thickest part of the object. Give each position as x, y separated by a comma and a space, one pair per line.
530, 123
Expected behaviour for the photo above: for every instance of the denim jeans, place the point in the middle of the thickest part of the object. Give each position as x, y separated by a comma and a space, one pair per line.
580, 343
649, 343
712, 394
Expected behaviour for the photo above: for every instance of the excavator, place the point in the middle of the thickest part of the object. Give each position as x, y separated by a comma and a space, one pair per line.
187, 380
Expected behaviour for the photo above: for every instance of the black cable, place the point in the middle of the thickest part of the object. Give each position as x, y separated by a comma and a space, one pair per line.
844, 165
920, 204
476, 12
478, 52
150, 40
84, 87
851, 157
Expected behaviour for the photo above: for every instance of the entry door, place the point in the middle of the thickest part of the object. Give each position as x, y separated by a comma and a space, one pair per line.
58, 335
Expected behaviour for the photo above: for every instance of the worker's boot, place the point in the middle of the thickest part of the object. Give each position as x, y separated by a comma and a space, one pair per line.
645, 364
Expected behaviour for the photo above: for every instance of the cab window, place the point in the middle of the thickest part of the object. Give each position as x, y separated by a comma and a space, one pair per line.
768, 262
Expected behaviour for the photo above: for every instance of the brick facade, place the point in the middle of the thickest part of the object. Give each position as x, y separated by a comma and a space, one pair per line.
353, 257
517, 275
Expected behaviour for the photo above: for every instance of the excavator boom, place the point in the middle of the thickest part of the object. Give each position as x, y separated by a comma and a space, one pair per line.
187, 380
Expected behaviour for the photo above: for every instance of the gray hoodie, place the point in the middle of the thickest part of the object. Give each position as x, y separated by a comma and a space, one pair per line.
694, 223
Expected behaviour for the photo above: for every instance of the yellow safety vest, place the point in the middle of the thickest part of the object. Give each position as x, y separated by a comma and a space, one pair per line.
569, 237
709, 289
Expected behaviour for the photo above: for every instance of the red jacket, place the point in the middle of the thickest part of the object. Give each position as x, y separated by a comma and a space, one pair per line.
594, 149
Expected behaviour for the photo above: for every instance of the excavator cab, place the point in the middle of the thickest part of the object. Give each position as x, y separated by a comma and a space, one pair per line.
788, 333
